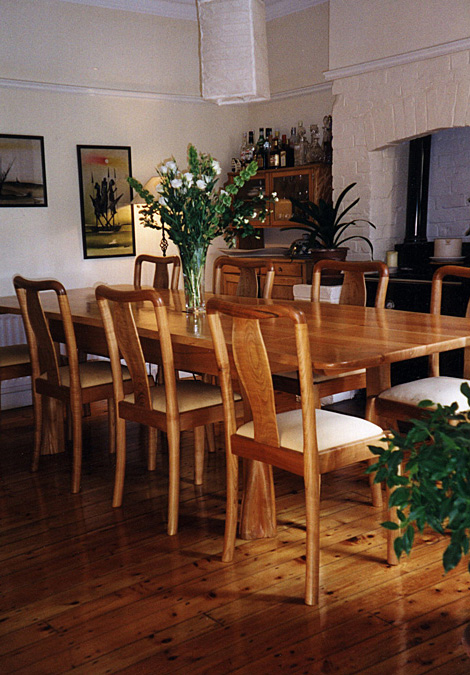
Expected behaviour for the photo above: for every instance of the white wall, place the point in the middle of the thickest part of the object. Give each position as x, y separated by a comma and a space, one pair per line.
366, 30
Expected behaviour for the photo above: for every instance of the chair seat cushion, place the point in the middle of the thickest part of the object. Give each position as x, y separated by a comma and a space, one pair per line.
324, 378
13, 355
333, 429
442, 389
192, 394
92, 374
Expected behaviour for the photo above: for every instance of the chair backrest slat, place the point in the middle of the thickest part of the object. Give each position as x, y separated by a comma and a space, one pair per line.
117, 311
43, 352
353, 289
250, 269
161, 278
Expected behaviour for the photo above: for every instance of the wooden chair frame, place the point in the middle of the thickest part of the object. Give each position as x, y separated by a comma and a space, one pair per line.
161, 278
252, 365
393, 411
45, 368
353, 292
249, 284
123, 339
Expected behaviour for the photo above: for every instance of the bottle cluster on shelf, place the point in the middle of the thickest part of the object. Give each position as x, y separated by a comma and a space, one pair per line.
273, 151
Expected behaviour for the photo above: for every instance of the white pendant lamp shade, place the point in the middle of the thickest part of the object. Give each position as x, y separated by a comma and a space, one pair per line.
234, 51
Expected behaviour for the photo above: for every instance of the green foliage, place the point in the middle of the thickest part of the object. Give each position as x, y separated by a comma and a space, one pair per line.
191, 209
434, 489
325, 224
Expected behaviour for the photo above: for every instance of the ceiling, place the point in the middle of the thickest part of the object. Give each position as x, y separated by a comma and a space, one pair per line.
186, 9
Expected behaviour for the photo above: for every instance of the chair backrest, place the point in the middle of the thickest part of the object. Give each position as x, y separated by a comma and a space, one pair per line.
117, 310
436, 308
353, 290
161, 278
43, 353
254, 372
250, 273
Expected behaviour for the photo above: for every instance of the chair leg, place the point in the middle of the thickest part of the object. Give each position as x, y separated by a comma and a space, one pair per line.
231, 513
210, 435
111, 426
152, 444
375, 488
37, 408
173, 435
312, 513
199, 436
76, 413
120, 462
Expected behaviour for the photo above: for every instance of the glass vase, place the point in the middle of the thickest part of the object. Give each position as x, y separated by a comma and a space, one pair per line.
193, 261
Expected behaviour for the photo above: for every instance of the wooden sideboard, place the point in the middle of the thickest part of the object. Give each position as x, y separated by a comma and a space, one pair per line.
287, 273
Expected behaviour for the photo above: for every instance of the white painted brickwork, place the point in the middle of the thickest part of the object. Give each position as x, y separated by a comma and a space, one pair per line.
373, 114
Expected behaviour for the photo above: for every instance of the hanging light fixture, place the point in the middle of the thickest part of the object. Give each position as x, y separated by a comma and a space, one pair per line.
233, 50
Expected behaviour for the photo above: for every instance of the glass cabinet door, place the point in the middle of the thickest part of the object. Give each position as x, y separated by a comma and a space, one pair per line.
287, 187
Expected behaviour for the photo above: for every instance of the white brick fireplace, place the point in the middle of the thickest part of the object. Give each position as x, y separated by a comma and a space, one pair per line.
375, 112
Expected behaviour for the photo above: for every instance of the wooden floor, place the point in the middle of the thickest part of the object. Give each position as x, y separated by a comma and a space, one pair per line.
89, 589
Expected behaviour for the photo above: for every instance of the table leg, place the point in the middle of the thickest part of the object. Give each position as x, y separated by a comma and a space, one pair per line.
378, 379
258, 510
52, 441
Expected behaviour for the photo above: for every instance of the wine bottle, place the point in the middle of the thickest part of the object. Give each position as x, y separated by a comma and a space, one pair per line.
244, 150
251, 147
267, 148
260, 149
283, 152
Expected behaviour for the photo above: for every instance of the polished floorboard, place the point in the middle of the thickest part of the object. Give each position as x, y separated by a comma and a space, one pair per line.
88, 589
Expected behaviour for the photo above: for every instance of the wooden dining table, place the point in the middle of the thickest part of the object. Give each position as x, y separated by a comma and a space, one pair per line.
342, 338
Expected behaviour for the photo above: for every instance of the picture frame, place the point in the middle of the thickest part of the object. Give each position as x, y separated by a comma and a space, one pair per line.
105, 201
22, 171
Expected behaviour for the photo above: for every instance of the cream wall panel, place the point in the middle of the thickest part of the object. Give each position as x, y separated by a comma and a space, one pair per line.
365, 30
298, 49
61, 42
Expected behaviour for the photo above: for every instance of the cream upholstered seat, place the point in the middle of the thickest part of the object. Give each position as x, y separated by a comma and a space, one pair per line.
175, 406
353, 292
400, 402
321, 440
75, 384
191, 395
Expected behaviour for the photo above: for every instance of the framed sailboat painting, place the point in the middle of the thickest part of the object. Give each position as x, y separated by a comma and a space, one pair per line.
22, 171
105, 200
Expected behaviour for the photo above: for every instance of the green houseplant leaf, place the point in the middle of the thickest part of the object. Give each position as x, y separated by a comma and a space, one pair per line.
325, 223
434, 490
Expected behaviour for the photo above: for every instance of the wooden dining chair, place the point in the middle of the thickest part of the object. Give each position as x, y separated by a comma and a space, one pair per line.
175, 406
400, 402
250, 280
14, 363
307, 442
74, 384
353, 292
161, 276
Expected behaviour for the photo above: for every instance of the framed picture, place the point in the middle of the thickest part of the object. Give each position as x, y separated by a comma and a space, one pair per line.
22, 171
105, 200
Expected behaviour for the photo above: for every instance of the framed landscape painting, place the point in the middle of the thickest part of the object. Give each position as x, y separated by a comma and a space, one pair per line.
105, 200
22, 171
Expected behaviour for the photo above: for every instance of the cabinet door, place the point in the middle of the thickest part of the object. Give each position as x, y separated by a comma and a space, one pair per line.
309, 183
251, 189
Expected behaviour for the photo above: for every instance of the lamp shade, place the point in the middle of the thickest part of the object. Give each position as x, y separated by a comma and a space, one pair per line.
233, 50
151, 186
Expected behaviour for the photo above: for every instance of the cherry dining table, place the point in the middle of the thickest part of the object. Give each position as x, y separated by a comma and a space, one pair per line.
342, 337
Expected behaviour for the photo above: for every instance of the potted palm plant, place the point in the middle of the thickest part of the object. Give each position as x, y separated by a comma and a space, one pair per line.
429, 472
326, 226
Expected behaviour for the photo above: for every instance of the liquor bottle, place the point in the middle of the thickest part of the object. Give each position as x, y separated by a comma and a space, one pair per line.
283, 152
301, 147
267, 148
315, 152
251, 147
260, 149
327, 139
274, 160
244, 150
